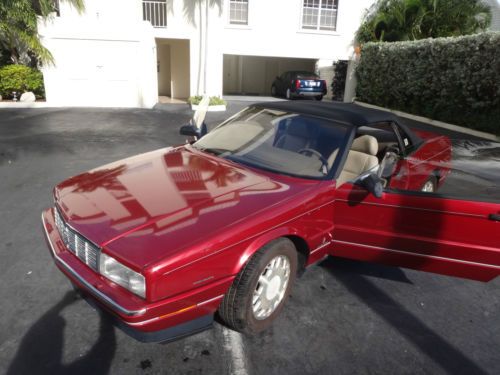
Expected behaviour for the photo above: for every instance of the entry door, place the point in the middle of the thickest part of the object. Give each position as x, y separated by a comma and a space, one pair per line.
420, 231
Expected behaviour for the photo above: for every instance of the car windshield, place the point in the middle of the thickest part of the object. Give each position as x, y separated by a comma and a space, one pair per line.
283, 142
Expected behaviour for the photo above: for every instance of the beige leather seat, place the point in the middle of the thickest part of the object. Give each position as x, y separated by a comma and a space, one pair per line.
361, 158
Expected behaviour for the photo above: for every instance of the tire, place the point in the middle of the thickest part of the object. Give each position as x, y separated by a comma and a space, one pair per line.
319, 98
430, 186
288, 94
273, 91
237, 309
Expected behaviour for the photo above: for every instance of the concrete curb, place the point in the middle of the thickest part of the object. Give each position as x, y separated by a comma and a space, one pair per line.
436, 123
211, 108
16, 105
26, 105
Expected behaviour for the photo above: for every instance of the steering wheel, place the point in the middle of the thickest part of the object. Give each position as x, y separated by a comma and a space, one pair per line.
310, 151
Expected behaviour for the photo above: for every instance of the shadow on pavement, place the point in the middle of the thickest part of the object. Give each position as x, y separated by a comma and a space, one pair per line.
368, 269
41, 349
408, 325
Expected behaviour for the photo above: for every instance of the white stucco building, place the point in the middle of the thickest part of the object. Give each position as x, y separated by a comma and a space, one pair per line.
125, 53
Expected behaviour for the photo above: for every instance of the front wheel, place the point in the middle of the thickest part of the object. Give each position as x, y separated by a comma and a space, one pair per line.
261, 289
288, 94
273, 91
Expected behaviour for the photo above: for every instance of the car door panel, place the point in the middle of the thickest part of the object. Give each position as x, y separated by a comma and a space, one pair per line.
429, 233
400, 178
431, 159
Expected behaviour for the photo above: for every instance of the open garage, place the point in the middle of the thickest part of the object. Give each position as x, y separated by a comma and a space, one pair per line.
254, 75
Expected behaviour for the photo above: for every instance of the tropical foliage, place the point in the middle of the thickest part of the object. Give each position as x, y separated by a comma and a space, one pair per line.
400, 20
214, 100
455, 80
339, 79
20, 78
19, 38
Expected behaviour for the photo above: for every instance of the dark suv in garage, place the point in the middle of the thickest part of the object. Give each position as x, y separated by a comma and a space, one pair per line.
299, 83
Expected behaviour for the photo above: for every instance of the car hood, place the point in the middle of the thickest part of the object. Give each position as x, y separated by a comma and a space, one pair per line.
136, 206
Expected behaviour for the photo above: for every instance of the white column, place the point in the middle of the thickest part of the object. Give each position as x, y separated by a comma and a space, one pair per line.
351, 81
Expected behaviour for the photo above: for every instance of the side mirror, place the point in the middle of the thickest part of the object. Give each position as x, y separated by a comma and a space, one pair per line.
191, 130
373, 184
278, 78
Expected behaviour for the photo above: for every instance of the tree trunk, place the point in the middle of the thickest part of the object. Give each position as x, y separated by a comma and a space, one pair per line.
14, 56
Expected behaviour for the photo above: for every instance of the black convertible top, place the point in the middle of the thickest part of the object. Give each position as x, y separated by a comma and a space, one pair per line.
350, 113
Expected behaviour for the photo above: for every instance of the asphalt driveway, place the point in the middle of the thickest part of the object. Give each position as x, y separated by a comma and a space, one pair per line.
344, 317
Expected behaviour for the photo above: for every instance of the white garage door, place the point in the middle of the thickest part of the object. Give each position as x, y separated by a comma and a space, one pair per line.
254, 75
94, 73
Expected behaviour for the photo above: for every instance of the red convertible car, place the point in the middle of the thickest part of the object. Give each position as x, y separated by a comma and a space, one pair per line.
166, 239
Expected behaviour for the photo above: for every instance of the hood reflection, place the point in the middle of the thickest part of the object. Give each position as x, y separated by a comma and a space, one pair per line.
165, 187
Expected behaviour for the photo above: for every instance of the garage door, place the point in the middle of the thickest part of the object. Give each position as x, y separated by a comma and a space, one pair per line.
94, 73
254, 75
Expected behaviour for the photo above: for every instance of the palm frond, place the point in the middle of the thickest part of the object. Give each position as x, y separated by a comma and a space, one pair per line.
392, 20
19, 27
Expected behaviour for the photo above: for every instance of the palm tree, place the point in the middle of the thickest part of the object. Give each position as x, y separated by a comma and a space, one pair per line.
396, 20
18, 27
190, 9
454, 17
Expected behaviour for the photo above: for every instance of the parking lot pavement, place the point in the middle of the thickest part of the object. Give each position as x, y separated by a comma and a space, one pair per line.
343, 317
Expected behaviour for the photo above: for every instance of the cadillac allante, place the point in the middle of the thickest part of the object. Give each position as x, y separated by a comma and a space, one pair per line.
167, 239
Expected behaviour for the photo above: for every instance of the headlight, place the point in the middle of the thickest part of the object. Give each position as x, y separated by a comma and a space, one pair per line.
122, 275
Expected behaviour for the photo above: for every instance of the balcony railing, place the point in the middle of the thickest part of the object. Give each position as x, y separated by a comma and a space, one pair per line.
155, 11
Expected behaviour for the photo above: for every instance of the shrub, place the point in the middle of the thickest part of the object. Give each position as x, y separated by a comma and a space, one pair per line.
20, 78
339, 79
455, 80
214, 100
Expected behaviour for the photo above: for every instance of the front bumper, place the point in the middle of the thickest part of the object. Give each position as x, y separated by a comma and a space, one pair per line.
157, 321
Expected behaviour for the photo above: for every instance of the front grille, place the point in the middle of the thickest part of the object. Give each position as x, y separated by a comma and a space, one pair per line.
85, 250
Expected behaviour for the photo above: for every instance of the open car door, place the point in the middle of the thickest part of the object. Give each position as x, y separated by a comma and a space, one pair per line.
418, 230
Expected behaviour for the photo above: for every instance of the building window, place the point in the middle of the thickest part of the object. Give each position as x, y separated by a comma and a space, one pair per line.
319, 15
238, 12
155, 11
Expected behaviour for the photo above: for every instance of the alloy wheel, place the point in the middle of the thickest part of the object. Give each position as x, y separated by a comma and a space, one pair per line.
271, 287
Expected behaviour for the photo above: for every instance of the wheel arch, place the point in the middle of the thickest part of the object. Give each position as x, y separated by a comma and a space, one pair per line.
301, 245
303, 251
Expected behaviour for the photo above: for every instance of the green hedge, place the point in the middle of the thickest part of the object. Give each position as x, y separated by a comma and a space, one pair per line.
339, 79
20, 78
456, 80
